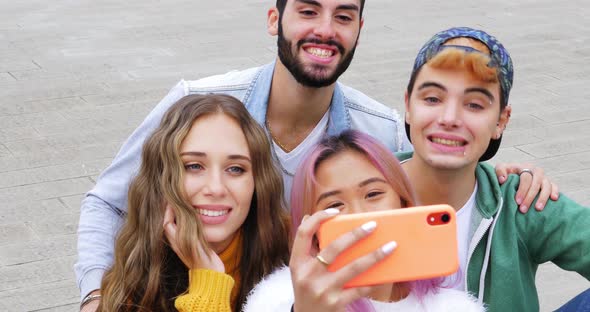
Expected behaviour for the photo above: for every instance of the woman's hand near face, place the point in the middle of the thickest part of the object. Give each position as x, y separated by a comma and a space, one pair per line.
194, 261
316, 288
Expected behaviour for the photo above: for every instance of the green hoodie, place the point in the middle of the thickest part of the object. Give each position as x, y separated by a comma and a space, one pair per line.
507, 247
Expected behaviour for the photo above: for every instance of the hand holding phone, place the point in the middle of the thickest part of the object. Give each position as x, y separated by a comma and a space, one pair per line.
314, 286
426, 239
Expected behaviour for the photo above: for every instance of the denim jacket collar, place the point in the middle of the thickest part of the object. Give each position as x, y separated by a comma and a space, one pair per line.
256, 101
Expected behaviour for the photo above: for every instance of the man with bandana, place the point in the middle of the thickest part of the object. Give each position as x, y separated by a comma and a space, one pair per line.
457, 107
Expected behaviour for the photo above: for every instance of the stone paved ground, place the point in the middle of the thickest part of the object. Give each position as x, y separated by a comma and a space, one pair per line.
76, 77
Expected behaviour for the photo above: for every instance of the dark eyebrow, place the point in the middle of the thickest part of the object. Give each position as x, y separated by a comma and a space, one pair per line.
310, 2
486, 92
201, 154
327, 194
350, 7
336, 192
428, 84
468, 90
371, 180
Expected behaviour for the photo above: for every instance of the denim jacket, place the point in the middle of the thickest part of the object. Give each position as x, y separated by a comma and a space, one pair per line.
104, 207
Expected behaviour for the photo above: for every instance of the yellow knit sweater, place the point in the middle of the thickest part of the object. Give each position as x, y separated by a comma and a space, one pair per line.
214, 291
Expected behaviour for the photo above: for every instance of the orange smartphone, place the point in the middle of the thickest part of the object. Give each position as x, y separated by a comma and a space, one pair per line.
426, 239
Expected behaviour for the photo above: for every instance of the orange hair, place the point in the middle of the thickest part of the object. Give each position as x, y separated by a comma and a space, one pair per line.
474, 63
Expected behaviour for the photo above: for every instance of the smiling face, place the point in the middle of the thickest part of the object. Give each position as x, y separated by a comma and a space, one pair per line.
361, 189
317, 38
218, 178
453, 115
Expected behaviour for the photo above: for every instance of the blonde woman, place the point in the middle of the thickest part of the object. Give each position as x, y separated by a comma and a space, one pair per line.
206, 219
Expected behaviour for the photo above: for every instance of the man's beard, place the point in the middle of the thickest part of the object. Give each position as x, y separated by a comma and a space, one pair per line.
297, 69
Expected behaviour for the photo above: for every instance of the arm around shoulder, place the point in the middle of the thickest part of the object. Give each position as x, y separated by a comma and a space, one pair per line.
97, 229
561, 234
102, 211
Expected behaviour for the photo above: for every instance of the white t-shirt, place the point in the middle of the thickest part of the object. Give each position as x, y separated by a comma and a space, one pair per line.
457, 280
290, 161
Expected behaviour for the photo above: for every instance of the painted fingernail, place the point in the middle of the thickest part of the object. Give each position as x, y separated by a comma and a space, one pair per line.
389, 247
523, 209
519, 200
369, 226
332, 211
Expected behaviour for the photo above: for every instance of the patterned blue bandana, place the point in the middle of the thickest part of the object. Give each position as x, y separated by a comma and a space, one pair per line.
500, 59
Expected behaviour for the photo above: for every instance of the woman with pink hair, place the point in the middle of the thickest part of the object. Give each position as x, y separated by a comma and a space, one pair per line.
348, 173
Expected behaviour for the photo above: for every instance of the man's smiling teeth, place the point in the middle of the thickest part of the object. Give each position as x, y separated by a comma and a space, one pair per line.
213, 213
447, 142
320, 52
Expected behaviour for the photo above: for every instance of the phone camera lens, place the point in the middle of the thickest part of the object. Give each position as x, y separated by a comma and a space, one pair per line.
445, 218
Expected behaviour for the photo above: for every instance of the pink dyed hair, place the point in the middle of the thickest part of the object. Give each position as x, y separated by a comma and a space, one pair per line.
304, 182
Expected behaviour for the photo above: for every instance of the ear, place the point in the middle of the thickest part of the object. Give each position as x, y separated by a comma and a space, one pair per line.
362, 22
407, 104
503, 120
272, 21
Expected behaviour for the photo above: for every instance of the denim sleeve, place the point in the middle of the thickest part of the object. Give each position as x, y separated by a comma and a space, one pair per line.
105, 206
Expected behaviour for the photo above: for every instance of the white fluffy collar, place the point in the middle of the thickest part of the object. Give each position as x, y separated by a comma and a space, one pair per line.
275, 293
